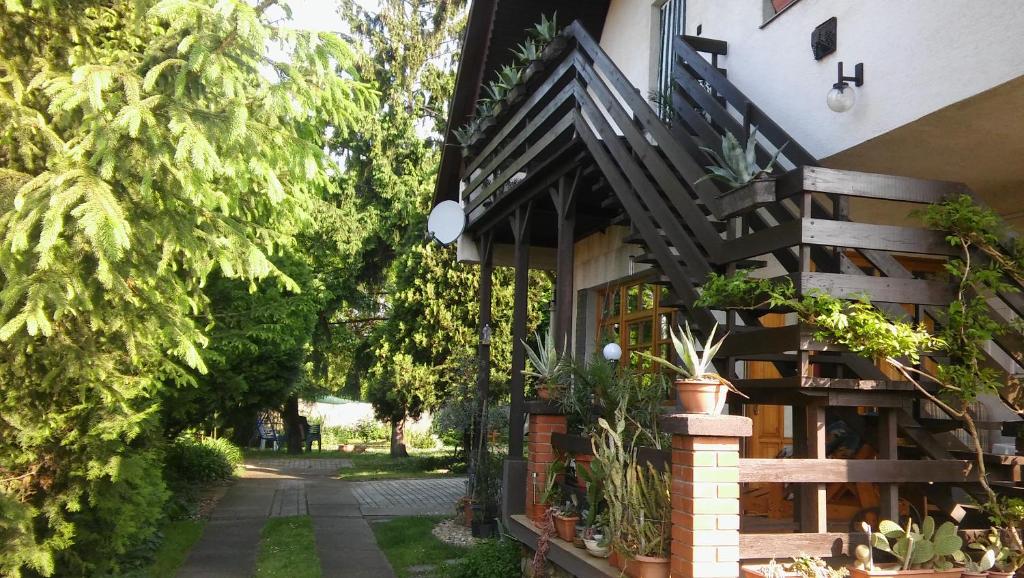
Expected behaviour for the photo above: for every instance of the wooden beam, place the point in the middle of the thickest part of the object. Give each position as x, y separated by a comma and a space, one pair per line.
564, 197
866, 185
520, 223
889, 494
813, 508
825, 544
884, 289
483, 378
876, 237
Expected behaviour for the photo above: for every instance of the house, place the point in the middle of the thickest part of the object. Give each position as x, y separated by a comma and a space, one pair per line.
594, 173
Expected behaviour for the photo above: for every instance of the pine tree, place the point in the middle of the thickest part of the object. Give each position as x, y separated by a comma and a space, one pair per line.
144, 147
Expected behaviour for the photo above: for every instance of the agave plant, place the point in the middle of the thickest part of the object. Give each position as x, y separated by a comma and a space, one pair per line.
545, 30
496, 91
528, 51
694, 365
735, 165
510, 77
547, 364
466, 132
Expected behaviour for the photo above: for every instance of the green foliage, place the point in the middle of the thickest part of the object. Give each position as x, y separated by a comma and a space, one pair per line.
188, 461
1003, 556
421, 440
363, 431
453, 421
545, 30
149, 148
545, 364
288, 548
814, 567
737, 165
926, 546
695, 365
490, 559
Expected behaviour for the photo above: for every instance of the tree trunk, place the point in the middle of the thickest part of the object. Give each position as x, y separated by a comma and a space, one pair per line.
293, 426
398, 438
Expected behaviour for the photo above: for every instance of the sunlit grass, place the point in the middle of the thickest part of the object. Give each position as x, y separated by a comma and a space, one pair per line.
179, 537
376, 464
407, 541
288, 548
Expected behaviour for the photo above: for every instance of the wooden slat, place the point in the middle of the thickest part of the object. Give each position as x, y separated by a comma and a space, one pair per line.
876, 237
867, 185
884, 289
762, 242
709, 45
819, 471
823, 383
783, 546
761, 340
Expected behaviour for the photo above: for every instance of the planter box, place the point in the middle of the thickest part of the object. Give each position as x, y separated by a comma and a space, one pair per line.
753, 195
555, 48
533, 71
516, 95
886, 570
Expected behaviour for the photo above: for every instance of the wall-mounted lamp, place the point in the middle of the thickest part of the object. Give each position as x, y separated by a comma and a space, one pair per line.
842, 98
612, 352
485, 335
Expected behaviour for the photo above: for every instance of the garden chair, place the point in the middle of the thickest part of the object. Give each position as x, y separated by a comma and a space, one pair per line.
311, 435
265, 432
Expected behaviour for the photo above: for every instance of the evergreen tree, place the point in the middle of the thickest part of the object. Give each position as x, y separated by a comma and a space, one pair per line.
144, 147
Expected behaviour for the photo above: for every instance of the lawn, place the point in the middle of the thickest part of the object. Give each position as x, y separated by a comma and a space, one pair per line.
407, 541
376, 464
179, 536
288, 548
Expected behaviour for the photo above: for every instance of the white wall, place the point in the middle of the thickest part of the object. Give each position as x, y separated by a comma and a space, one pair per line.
919, 56
348, 414
630, 32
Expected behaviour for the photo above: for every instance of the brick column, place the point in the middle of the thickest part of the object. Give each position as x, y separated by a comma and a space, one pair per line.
544, 420
705, 494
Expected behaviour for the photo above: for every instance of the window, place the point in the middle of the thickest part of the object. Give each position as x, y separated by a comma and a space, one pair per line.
636, 316
672, 15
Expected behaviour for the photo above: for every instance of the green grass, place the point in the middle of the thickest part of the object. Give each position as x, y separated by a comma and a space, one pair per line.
407, 541
179, 536
288, 548
376, 464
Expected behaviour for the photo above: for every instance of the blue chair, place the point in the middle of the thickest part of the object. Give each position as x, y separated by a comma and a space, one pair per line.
266, 432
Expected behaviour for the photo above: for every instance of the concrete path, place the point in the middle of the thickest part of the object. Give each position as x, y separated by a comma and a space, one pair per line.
282, 487
433, 497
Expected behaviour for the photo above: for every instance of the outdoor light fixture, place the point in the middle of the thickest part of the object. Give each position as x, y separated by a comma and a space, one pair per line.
842, 97
612, 352
485, 334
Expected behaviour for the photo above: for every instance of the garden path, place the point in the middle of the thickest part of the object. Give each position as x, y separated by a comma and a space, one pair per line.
345, 543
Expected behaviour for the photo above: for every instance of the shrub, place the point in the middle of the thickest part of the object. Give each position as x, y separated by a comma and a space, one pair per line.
452, 420
371, 430
421, 440
491, 559
195, 462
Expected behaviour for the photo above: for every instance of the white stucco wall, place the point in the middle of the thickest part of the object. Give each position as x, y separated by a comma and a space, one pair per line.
630, 30
919, 56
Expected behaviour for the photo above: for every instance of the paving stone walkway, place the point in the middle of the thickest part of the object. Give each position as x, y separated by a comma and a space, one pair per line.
409, 497
345, 543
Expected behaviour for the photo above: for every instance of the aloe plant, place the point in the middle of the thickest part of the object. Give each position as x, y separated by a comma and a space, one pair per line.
547, 364
510, 77
496, 91
736, 165
694, 365
920, 547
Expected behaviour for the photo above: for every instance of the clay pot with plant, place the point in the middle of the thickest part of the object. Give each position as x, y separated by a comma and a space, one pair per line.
924, 549
546, 365
566, 517
699, 389
1005, 560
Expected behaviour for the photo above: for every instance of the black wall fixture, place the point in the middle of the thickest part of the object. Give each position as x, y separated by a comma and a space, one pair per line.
823, 38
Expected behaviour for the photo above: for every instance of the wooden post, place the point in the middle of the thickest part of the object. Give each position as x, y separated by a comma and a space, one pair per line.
813, 512
564, 198
483, 377
889, 495
521, 231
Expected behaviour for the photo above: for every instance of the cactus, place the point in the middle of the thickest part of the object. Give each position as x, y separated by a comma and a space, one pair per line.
920, 547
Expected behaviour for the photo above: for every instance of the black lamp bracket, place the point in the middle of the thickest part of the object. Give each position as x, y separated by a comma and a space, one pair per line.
858, 74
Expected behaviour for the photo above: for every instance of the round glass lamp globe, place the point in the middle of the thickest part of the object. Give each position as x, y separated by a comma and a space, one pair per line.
612, 352
841, 98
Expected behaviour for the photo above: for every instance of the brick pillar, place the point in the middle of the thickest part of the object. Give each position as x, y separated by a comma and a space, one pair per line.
705, 494
540, 454
582, 463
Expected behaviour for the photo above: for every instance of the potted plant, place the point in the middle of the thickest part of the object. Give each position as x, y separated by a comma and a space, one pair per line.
566, 517
511, 78
464, 508
919, 550
546, 34
546, 363
699, 389
1005, 560
551, 492
530, 55
750, 186
985, 563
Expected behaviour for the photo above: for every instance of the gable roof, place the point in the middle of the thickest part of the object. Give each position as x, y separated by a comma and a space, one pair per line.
494, 28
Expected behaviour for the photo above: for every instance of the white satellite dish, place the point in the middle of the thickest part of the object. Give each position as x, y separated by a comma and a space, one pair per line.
446, 222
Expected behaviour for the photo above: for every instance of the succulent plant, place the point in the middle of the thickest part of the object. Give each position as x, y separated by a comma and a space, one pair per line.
510, 77
920, 547
545, 30
496, 91
984, 564
1004, 558
528, 51
735, 165
814, 567
694, 365
545, 361
773, 569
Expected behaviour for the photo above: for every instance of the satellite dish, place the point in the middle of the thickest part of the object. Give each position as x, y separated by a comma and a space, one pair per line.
446, 222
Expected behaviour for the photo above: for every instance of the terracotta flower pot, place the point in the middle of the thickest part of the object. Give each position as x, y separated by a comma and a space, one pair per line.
467, 513
967, 574
706, 397
647, 567
998, 574
543, 391
537, 513
615, 559
893, 570
565, 526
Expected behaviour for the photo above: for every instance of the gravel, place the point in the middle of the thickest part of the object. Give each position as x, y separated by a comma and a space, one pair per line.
450, 532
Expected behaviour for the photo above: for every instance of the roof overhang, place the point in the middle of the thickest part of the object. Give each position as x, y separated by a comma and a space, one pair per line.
493, 30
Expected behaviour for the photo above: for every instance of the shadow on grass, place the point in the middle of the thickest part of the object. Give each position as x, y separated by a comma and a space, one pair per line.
376, 464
